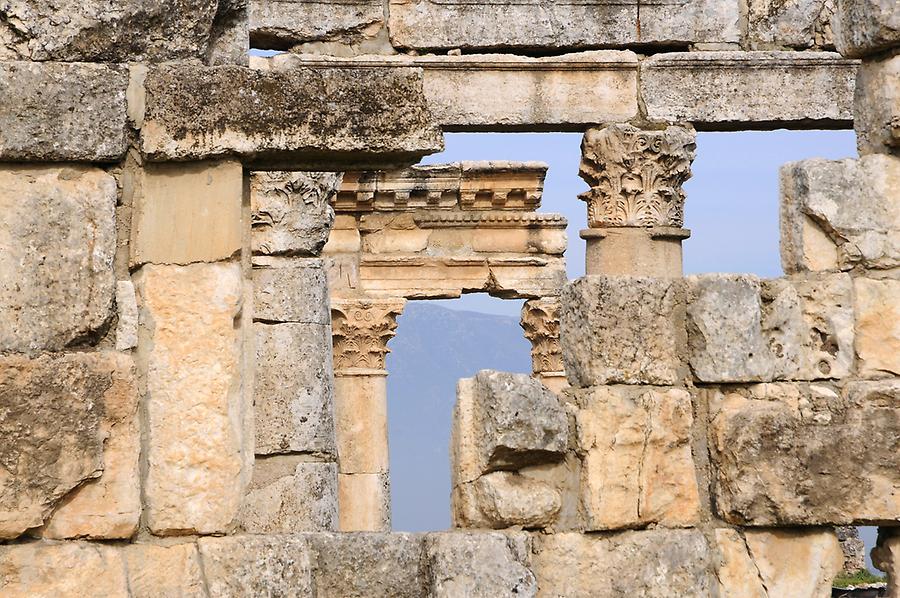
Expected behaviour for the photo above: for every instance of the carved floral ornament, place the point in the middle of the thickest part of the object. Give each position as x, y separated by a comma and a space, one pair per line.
361, 330
540, 321
636, 176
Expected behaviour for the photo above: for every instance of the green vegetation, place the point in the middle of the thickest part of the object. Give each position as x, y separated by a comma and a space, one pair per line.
857, 579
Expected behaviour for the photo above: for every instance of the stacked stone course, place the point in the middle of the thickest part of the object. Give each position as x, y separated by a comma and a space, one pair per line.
203, 256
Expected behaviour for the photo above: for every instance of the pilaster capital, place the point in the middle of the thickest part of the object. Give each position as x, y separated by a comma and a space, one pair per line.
361, 329
540, 321
636, 176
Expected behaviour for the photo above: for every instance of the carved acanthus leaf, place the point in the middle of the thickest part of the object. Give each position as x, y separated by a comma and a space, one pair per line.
361, 330
540, 321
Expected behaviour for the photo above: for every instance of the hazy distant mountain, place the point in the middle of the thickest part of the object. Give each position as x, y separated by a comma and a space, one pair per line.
434, 348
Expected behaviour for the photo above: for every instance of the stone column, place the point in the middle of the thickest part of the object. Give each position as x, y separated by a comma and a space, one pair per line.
361, 329
636, 202
540, 321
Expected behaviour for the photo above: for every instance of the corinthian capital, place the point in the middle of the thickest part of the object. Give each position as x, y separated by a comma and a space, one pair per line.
636, 176
540, 321
361, 330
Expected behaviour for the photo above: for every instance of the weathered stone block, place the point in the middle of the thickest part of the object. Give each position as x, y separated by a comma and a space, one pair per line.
187, 213
107, 31
840, 214
865, 27
655, 563
279, 24
505, 422
155, 570
791, 24
763, 563
503, 499
775, 449
361, 565
853, 548
877, 307
288, 494
61, 569
56, 274
294, 290
249, 566
365, 118
62, 112
291, 213
127, 326
229, 39
71, 445
479, 565
877, 107
886, 557
293, 389
190, 356
764, 87
429, 24
636, 447
623, 330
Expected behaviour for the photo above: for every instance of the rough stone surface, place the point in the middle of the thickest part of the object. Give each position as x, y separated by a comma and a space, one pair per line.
250, 566
791, 24
852, 548
70, 449
636, 447
763, 87
504, 499
280, 24
106, 31
61, 112
622, 329
293, 389
190, 357
291, 211
841, 214
127, 326
877, 107
479, 565
877, 306
303, 116
656, 563
290, 495
155, 571
291, 291
886, 556
41, 569
775, 448
545, 23
56, 273
864, 27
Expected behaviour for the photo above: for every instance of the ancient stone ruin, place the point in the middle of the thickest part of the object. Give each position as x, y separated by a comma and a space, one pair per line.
203, 255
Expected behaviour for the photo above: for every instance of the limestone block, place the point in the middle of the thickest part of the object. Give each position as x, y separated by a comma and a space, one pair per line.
623, 329
877, 106
361, 565
775, 447
706, 88
288, 494
187, 213
56, 274
291, 214
427, 24
71, 445
792, 24
280, 24
877, 307
42, 569
725, 335
365, 502
249, 566
505, 422
294, 290
865, 27
840, 214
106, 31
479, 565
155, 570
636, 447
365, 118
229, 39
762, 563
651, 564
505, 499
293, 389
886, 557
127, 326
61, 112
190, 356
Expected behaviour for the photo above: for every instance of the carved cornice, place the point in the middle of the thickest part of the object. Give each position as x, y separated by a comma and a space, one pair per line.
636, 176
361, 330
540, 321
492, 219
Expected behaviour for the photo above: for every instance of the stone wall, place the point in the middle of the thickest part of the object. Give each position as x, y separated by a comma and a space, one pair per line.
203, 255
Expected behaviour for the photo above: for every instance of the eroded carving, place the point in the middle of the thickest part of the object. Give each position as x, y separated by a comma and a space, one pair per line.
540, 321
361, 330
636, 176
